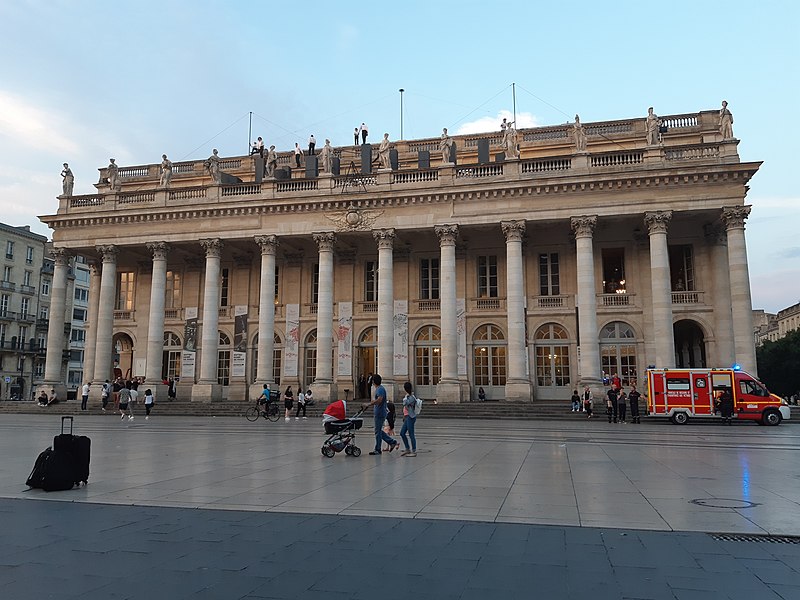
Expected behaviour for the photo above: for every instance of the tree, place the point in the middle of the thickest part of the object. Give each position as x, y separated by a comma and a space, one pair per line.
779, 364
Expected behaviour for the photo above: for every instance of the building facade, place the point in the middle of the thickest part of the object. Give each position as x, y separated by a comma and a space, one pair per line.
21, 356
575, 253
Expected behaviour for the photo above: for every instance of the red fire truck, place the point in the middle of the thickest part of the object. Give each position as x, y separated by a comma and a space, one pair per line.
683, 393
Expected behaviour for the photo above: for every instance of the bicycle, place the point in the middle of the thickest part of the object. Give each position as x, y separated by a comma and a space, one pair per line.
270, 411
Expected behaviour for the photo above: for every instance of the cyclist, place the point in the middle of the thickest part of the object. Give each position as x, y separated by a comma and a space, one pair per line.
263, 399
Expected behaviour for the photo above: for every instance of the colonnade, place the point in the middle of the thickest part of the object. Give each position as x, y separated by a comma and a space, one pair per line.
450, 388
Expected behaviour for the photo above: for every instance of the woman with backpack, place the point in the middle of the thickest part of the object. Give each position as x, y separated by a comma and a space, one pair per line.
409, 421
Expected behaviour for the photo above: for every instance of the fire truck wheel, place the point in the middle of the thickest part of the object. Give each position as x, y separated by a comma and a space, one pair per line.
680, 418
772, 417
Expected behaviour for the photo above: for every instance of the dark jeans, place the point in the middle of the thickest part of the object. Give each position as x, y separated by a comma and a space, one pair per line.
84, 400
364, 136
311, 149
380, 434
299, 408
635, 412
147, 409
611, 411
622, 410
105, 401
297, 160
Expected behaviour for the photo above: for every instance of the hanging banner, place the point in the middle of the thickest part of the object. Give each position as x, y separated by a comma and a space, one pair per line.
461, 328
290, 348
344, 334
189, 344
239, 340
400, 326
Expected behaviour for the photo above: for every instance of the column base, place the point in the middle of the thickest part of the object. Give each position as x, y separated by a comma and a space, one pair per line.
324, 393
519, 390
238, 392
449, 392
206, 392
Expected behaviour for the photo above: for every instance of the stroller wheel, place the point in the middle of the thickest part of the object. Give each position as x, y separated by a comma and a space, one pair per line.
348, 450
355, 451
328, 451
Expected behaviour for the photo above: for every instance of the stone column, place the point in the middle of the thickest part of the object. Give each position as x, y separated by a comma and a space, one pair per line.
385, 241
588, 344
518, 384
661, 285
448, 389
324, 385
90, 346
741, 304
266, 314
105, 314
53, 378
717, 239
155, 328
207, 388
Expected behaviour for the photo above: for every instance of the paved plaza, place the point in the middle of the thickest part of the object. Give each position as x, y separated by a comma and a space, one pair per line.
568, 509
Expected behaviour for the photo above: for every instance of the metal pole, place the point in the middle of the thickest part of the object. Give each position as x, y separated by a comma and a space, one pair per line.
514, 99
250, 133
401, 113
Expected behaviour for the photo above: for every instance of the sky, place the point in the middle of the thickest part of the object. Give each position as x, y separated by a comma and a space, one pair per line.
85, 81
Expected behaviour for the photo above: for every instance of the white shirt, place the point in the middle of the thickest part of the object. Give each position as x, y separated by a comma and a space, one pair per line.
297, 149
301, 399
85, 389
311, 140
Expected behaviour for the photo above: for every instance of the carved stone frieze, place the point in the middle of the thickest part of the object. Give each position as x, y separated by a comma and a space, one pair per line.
354, 218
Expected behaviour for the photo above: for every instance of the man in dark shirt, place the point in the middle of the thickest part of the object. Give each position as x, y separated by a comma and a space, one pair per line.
633, 398
611, 403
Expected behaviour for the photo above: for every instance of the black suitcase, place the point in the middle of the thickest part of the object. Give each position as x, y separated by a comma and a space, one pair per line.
53, 471
78, 447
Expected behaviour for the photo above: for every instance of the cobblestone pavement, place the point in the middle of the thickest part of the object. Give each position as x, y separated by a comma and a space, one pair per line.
542, 509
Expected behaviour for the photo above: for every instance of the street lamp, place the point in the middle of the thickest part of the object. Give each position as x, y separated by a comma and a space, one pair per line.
401, 112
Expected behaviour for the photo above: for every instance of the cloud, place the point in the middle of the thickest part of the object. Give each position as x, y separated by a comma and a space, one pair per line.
485, 124
27, 125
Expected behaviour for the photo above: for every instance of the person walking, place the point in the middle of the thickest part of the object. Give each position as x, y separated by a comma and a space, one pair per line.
298, 154
633, 399
301, 405
288, 403
409, 421
124, 400
105, 394
379, 412
611, 403
172, 389
134, 387
148, 403
85, 395
622, 405
576, 401
390, 418
726, 406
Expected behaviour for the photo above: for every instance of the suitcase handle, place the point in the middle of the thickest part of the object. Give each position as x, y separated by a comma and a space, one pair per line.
71, 422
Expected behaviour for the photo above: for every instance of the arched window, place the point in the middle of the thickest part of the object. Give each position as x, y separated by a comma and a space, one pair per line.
618, 351
489, 358
224, 359
171, 358
427, 356
552, 356
310, 363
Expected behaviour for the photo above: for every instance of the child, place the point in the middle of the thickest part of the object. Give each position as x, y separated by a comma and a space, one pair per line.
576, 401
587, 406
148, 403
389, 427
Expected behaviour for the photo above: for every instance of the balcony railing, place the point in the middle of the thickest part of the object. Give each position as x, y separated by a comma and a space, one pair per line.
487, 303
28, 290
124, 315
427, 305
173, 314
688, 297
550, 302
8, 285
368, 307
615, 299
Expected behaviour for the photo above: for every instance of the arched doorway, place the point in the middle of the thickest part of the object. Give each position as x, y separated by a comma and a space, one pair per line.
123, 356
277, 353
367, 358
618, 352
553, 374
690, 345
427, 361
489, 361
171, 359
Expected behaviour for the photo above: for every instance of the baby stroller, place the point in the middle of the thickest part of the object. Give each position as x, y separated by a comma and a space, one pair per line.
342, 436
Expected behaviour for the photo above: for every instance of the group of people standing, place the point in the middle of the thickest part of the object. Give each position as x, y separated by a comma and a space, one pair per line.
617, 402
383, 412
303, 399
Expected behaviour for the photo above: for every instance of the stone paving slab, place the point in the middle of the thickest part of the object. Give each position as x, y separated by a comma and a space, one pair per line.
73, 550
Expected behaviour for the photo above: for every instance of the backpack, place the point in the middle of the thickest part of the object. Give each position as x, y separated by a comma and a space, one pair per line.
418, 406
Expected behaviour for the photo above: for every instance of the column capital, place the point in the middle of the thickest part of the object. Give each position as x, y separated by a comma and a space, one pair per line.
447, 234
108, 253
735, 216
384, 238
513, 230
583, 226
657, 221
60, 255
325, 240
268, 244
159, 250
213, 247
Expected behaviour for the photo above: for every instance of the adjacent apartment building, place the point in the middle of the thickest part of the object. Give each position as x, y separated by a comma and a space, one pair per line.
526, 263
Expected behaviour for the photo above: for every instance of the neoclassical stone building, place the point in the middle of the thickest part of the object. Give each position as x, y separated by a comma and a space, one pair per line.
527, 276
